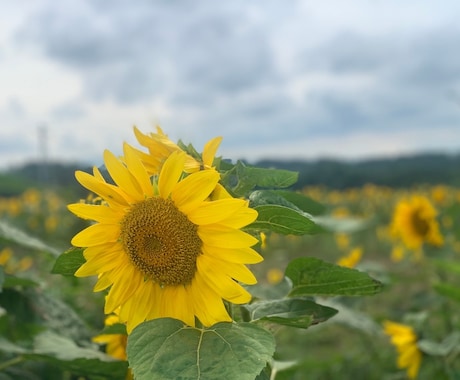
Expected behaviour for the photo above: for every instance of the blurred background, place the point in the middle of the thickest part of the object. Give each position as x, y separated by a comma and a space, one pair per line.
362, 98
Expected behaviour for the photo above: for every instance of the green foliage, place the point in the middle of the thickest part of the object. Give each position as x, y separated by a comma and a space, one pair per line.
62, 352
448, 290
68, 262
241, 179
11, 234
46, 332
294, 312
167, 349
284, 220
312, 276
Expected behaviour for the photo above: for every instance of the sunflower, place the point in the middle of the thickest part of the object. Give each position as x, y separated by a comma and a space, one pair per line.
404, 339
162, 244
115, 344
352, 259
414, 222
160, 146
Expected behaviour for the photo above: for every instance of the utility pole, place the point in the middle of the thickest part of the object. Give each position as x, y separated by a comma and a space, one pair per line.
43, 154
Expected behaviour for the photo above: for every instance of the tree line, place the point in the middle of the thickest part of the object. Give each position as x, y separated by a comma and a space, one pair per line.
397, 172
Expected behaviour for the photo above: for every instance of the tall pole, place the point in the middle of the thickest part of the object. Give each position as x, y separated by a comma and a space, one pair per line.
43, 153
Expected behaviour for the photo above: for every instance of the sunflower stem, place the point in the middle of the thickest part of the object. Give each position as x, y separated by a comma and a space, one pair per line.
11, 362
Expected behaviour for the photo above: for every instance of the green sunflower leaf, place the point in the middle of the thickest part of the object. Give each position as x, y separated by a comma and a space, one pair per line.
167, 349
294, 312
84, 361
312, 276
447, 290
11, 234
63, 353
284, 220
10, 281
69, 262
242, 178
302, 201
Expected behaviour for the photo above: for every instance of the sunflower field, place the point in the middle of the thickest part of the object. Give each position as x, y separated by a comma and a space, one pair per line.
180, 264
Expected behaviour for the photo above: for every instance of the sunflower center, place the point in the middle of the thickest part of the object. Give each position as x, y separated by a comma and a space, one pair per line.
161, 242
420, 225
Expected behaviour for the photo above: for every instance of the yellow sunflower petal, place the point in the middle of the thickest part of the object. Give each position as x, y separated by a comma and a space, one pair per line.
236, 271
226, 287
138, 170
100, 263
135, 310
103, 214
212, 212
194, 189
243, 255
179, 308
103, 282
207, 304
209, 151
96, 234
170, 173
242, 218
97, 250
121, 175
127, 283
225, 238
105, 190
220, 192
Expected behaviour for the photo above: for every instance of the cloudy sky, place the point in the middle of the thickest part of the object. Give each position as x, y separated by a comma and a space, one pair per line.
277, 79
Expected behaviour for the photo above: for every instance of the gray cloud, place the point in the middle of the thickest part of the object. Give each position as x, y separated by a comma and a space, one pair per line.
171, 49
217, 68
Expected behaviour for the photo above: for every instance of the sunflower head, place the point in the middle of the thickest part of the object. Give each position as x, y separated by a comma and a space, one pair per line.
404, 339
160, 146
167, 245
414, 222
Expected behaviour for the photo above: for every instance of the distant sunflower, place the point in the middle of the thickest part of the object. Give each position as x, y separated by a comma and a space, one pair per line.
414, 222
115, 344
352, 259
404, 339
160, 146
162, 244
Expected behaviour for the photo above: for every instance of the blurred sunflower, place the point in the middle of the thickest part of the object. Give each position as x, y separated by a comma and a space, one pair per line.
115, 344
165, 247
160, 147
404, 339
414, 222
352, 259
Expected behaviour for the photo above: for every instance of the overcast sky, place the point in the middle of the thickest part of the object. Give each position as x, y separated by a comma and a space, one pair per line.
277, 79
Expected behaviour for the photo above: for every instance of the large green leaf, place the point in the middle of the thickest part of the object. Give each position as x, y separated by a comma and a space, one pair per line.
64, 353
12, 234
242, 178
167, 349
302, 201
284, 220
11, 281
312, 276
68, 262
294, 312
450, 344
